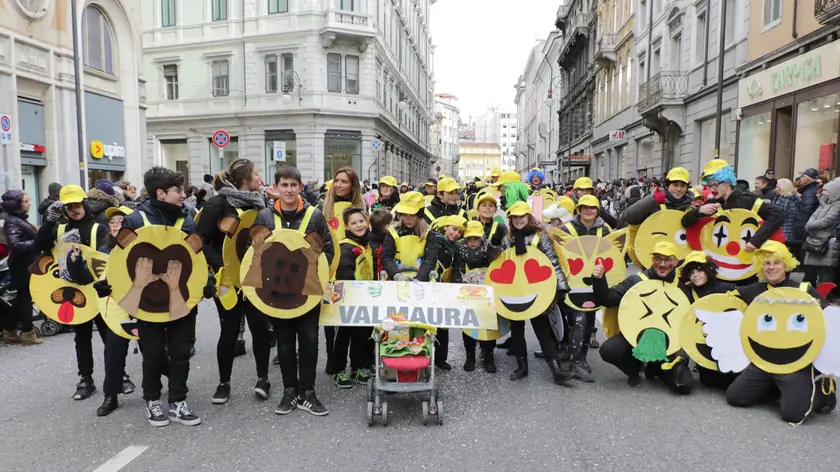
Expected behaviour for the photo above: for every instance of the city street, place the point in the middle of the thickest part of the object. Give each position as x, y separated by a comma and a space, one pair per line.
490, 422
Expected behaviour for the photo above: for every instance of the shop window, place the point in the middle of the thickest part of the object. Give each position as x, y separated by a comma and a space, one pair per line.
351, 70
753, 146
278, 6
342, 150
334, 72
221, 78
98, 43
220, 160
170, 78
175, 154
816, 134
707, 143
168, 13
219, 9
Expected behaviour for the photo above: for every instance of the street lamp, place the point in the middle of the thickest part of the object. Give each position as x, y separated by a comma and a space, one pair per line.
402, 104
287, 97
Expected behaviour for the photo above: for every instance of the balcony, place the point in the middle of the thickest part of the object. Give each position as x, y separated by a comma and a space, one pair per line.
349, 26
661, 100
578, 32
605, 53
827, 12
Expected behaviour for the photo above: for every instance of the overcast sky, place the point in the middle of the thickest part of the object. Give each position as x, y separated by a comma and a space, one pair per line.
482, 47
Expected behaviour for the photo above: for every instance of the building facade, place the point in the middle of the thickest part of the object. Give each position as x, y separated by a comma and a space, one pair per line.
508, 142
478, 160
548, 129
789, 94
37, 74
319, 84
446, 106
529, 103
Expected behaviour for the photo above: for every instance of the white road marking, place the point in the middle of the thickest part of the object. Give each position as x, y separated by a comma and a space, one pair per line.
121, 459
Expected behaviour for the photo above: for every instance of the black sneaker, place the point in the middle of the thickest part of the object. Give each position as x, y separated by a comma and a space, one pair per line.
127, 386
154, 413
309, 402
239, 350
262, 389
288, 403
179, 413
443, 365
84, 389
192, 351
222, 394
109, 404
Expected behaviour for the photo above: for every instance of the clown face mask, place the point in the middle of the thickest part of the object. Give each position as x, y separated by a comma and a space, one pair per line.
649, 317
524, 285
664, 225
692, 337
580, 256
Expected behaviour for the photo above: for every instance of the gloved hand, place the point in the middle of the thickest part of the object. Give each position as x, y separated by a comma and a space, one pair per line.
496, 241
210, 288
55, 212
103, 288
402, 278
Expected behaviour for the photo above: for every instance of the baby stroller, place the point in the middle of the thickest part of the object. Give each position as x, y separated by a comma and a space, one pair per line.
404, 353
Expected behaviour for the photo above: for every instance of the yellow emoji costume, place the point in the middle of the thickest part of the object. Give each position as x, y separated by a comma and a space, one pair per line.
59, 299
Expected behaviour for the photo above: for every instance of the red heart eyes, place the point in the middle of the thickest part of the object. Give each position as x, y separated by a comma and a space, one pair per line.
504, 274
575, 265
334, 223
535, 272
607, 263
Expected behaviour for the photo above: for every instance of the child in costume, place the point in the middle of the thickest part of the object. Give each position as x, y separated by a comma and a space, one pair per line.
445, 203
537, 180
406, 241
380, 220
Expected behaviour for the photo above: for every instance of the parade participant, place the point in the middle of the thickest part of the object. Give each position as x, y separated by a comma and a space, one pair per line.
100, 198
494, 230
720, 178
799, 394
475, 251
72, 207
439, 260
617, 350
537, 180
290, 211
236, 191
560, 213
583, 186
512, 189
388, 196
494, 176
587, 220
405, 243
404, 187
380, 220
355, 263
430, 191
20, 238
445, 203
526, 231
675, 196
52, 196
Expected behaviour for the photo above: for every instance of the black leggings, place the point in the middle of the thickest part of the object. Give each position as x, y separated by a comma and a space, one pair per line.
84, 348
353, 339
301, 332
545, 335
21, 309
469, 343
230, 323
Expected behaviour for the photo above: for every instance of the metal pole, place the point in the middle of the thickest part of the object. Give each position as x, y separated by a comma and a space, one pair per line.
721, 51
77, 72
6, 180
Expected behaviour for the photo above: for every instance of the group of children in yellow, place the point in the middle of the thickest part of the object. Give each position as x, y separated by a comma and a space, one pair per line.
713, 285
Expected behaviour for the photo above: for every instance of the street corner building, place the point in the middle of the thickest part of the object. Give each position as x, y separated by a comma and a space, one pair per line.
37, 92
317, 85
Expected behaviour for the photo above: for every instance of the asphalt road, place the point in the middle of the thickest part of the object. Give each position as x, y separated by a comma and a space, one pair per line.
491, 423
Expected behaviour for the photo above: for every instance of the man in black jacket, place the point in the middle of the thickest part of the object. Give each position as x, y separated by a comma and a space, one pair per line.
808, 186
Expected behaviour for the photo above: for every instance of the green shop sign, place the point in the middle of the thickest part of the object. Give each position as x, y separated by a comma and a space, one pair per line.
797, 74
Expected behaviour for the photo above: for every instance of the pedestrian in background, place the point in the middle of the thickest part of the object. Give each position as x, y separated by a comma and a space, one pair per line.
821, 257
52, 197
789, 202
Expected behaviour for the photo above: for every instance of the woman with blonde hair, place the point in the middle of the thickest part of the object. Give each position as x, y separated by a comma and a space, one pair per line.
789, 202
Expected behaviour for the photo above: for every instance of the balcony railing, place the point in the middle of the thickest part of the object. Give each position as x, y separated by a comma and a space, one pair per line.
664, 88
827, 11
348, 18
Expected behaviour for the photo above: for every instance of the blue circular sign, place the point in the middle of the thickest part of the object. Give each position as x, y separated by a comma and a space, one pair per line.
5, 123
221, 139
377, 145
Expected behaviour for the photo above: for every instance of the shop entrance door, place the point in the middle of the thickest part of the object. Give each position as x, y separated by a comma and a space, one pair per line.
783, 133
29, 182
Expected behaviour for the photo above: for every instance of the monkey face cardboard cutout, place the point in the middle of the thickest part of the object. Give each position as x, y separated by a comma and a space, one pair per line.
649, 317
579, 257
664, 225
157, 273
284, 274
59, 299
237, 231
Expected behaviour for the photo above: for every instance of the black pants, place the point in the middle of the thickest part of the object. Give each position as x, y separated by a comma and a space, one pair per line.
176, 336
231, 321
442, 348
84, 348
116, 349
542, 328
580, 326
618, 352
469, 344
755, 386
329, 340
303, 332
353, 339
21, 309
714, 378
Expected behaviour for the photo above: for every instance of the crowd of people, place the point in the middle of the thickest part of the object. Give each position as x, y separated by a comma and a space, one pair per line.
437, 231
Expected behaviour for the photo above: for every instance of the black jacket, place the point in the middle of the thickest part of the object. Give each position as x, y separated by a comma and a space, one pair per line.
499, 236
389, 252
638, 212
773, 216
610, 297
212, 238
159, 214
749, 293
317, 224
375, 242
438, 209
310, 195
48, 233
387, 204
476, 258
711, 287
99, 201
582, 230
810, 202
20, 238
347, 257
439, 257
53, 192
767, 194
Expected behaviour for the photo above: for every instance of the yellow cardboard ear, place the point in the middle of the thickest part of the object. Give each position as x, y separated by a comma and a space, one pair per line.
41, 266
619, 238
125, 237
560, 237
228, 225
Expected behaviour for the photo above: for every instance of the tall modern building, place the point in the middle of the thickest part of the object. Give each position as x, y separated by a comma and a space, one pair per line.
41, 144
319, 84
529, 103
448, 133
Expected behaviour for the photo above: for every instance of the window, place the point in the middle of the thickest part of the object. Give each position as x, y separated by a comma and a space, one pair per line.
641, 15
167, 13
772, 12
170, 79
288, 72
98, 51
278, 6
351, 71
271, 73
334, 72
221, 78
219, 9
699, 52
346, 5
731, 31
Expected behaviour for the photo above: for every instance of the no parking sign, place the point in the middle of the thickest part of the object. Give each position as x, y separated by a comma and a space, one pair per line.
5, 129
221, 139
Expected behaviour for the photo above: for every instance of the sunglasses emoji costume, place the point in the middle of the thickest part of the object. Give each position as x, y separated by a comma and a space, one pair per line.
157, 273
58, 298
580, 254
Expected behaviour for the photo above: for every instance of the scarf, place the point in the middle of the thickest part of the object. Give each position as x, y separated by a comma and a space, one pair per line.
241, 198
519, 241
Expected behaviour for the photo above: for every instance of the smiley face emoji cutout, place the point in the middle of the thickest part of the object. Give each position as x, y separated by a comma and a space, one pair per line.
336, 225
580, 256
664, 225
117, 319
649, 317
692, 337
524, 285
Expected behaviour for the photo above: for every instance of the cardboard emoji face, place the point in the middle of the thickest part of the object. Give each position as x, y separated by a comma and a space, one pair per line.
59, 299
580, 255
692, 337
237, 232
783, 330
525, 285
283, 273
653, 305
157, 273
117, 319
664, 225
336, 225
490, 334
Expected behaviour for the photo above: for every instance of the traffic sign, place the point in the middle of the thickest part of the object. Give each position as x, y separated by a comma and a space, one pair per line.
279, 151
221, 139
377, 145
5, 129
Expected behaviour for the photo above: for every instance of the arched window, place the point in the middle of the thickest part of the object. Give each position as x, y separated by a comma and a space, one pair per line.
97, 41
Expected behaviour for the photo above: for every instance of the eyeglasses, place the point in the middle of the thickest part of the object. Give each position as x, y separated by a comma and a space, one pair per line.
712, 184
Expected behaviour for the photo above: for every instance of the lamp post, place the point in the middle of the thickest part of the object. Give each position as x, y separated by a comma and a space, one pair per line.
287, 98
77, 72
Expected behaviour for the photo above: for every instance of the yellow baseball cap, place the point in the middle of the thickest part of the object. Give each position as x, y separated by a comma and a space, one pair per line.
474, 230
713, 166
447, 184
71, 194
665, 248
430, 184
411, 203
678, 174
519, 209
441, 176
507, 177
123, 210
478, 184
495, 173
388, 180
583, 182
589, 201
404, 184
486, 197
451, 220
696, 256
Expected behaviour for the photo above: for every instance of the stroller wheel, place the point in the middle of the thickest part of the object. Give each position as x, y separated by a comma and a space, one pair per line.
370, 420
370, 389
384, 413
50, 328
425, 412
439, 412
